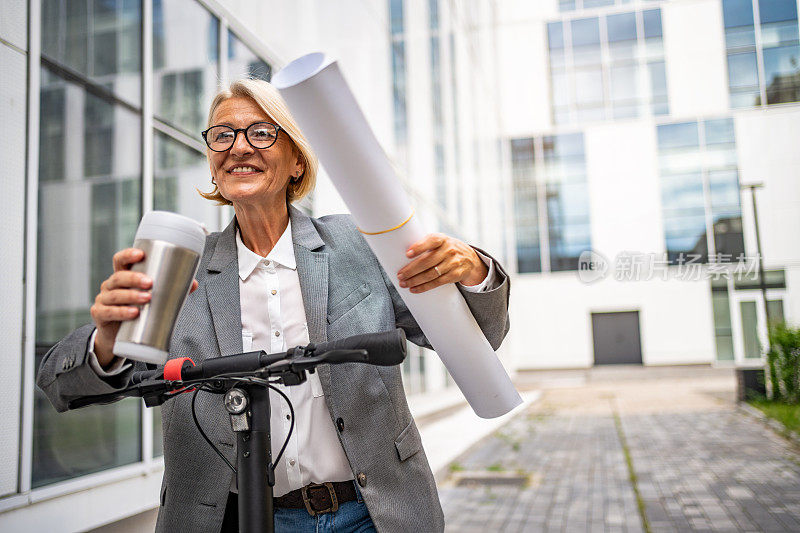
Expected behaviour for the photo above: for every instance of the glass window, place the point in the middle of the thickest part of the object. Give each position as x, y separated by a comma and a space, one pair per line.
399, 92
682, 193
614, 84
587, 4
622, 27
244, 63
566, 200
566, 5
526, 211
87, 211
689, 171
719, 131
433, 14
555, 35
585, 32
652, 23
51, 132
782, 74
180, 172
678, 135
737, 13
724, 188
777, 10
658, 87
99, 39
778, 48
589, 87
722, 323
623, 83
396, 15
184, 77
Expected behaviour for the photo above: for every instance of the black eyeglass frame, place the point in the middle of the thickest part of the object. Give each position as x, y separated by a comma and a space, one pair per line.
246, 136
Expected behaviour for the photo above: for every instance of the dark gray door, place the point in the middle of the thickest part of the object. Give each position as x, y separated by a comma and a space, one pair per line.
616, 338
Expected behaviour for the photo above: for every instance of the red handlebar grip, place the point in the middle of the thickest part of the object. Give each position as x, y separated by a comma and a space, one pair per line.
172, 370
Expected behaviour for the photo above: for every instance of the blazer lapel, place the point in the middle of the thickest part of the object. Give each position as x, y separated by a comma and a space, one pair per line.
222, 290
312, 270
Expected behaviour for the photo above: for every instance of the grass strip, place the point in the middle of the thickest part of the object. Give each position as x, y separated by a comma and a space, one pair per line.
786, 414
632, 473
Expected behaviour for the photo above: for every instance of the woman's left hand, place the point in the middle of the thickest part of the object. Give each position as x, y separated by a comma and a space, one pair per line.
439, 260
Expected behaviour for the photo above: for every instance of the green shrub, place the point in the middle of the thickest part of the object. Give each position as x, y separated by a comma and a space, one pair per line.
783, 362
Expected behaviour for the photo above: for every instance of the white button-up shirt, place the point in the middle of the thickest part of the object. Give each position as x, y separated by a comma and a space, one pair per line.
274, 320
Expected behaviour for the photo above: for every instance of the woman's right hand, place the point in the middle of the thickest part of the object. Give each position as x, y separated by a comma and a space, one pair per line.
119, 297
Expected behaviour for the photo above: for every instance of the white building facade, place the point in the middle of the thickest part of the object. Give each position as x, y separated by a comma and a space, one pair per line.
631, 126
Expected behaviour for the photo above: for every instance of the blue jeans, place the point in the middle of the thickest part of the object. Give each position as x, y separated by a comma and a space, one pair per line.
351, 517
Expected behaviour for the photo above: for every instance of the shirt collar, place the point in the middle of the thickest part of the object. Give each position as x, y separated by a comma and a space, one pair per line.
282, 253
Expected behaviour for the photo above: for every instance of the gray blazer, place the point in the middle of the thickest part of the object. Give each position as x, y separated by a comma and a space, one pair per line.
345, 292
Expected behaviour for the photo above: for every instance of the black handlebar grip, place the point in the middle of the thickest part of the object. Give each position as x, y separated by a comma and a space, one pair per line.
385, 349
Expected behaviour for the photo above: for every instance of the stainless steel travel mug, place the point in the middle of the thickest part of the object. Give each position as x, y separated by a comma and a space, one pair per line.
173, 245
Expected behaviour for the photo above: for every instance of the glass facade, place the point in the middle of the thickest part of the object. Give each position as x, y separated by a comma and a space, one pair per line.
399, 78
700, 191
244, 63
551, 202
184, 77
607, 67
100, 41
437, 110
763, 49
91, 181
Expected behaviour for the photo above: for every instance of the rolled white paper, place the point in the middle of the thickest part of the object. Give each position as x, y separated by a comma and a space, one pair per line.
331, 119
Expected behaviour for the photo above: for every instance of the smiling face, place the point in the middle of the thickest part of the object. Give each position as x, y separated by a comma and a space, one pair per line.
245, 175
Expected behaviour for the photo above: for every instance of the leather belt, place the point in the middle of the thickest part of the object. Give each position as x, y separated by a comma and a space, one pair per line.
318, 498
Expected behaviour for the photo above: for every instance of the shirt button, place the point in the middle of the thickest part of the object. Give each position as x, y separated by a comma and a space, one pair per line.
340, 424
362, 479
291, 463
288, 417
277, 333
274, 292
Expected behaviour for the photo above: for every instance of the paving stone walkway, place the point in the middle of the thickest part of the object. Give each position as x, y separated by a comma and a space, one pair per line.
565, 465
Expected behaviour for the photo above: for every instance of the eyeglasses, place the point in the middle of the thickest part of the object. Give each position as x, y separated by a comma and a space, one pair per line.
260, 135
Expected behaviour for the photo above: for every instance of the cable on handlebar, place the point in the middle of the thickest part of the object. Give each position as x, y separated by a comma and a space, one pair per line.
203, 433
217, 450
291, 426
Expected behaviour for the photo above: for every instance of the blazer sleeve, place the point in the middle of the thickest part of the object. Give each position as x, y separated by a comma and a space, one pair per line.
490, 309
65, 373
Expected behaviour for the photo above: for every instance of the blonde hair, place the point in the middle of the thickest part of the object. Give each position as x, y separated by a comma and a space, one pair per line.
271, 102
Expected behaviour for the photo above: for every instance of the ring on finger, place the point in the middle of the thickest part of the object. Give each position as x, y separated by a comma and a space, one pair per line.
438, 274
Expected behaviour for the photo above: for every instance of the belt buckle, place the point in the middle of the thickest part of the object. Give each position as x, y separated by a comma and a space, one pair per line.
307, 500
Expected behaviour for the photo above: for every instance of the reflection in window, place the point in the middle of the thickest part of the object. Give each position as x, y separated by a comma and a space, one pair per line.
88, 209
777, 48
244, 63
185, 77
700, 191
399, 78
51, 132
526, 212
549, 175
628, 81
437, 98
180, 172
100, 40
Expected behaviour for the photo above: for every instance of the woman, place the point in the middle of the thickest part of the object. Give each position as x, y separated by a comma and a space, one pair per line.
273, 279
